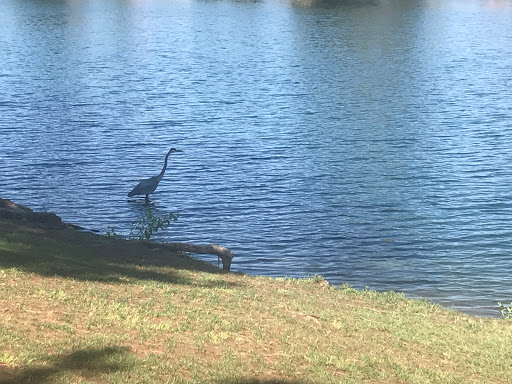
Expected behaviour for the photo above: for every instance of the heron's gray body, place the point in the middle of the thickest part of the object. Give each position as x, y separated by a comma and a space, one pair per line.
147, 186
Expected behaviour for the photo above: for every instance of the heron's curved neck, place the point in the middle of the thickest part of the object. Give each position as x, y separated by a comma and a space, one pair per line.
165, 166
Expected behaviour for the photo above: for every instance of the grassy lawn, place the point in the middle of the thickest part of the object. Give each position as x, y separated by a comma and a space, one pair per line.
80, 308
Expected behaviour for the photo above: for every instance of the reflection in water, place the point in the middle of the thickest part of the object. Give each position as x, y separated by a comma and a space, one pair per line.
360, 140
337, 3
401, 4
497, 4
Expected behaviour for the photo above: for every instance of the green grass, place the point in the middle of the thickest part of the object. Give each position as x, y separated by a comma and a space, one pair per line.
81, 308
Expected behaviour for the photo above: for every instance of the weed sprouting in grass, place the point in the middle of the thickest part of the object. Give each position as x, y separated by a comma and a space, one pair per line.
318, 279
506, 311
170, 343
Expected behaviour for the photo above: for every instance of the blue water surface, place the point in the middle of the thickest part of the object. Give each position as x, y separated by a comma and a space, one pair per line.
368, 141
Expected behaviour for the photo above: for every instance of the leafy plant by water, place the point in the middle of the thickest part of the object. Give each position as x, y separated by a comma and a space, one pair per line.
146, 225
149, 223
111, 232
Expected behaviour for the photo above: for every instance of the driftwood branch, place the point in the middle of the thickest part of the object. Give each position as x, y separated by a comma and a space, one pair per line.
211, 249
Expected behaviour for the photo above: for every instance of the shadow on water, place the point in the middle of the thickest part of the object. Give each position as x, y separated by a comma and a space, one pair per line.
312, 3
333, 4
87, 256
88, 363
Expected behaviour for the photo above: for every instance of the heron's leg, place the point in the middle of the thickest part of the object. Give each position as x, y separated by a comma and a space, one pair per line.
147, 198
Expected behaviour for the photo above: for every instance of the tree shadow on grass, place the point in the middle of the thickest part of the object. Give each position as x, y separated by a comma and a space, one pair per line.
87, 256
260, 381
89, 363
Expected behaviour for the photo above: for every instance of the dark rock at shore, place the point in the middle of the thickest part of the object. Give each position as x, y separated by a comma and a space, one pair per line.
12, 211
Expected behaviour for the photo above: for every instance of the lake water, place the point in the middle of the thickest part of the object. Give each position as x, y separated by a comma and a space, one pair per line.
369, 141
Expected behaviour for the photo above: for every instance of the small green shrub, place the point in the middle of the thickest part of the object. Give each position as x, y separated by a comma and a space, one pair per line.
149, 223
318, 279
111, 232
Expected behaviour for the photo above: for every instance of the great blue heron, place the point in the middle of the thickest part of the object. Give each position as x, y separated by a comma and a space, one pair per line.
147, 186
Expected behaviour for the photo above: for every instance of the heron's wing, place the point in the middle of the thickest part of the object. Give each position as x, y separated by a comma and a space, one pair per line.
145, 187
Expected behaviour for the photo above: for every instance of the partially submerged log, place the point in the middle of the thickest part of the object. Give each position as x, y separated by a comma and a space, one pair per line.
12, 211
211, 249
